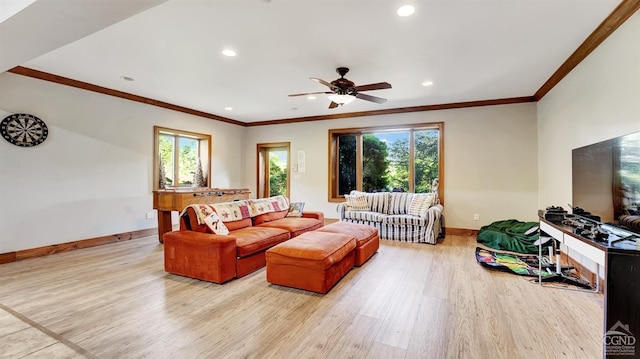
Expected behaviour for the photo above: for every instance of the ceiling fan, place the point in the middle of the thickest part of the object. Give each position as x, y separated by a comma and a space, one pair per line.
344, 91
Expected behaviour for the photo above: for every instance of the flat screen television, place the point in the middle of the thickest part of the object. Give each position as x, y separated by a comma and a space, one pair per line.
606, 178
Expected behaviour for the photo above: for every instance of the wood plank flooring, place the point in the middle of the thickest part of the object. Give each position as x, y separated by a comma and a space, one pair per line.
408, 301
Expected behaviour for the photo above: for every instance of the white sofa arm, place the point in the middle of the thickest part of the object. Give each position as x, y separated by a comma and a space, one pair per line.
341, 208
436, 210
436, 220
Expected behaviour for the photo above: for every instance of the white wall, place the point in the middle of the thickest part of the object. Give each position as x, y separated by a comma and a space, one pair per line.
598, 100
93, 175
490, 160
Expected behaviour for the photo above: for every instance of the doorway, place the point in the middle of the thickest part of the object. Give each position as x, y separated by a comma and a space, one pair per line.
273, 169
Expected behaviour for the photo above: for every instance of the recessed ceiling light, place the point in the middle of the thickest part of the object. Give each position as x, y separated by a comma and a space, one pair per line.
427, 83
127, 78
229, 53
311, 98
406, 10
229, 108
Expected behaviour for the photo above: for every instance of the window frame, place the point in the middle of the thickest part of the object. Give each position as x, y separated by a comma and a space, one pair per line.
334, 196
204, 149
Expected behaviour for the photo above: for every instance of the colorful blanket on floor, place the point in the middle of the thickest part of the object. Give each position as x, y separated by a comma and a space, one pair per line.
522, 265
528, 266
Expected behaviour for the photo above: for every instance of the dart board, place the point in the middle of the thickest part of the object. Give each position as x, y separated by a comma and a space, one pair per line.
23, 130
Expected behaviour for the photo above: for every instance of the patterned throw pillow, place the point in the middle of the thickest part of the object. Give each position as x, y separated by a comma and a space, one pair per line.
420, 204
295, 209
357, 202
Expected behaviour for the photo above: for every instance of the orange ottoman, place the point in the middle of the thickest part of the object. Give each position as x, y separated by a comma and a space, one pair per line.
367, 238
313, 261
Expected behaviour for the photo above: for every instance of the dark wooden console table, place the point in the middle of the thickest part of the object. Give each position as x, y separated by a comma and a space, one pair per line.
166, 201
621, 261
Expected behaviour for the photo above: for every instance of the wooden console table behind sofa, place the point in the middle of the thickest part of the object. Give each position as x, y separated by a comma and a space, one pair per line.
166, 201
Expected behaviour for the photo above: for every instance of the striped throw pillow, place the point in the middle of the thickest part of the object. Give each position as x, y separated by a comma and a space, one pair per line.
420, 204
357, 202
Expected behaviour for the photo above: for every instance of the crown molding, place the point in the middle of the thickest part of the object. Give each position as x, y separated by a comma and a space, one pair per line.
619, 15
41, 75
390, 111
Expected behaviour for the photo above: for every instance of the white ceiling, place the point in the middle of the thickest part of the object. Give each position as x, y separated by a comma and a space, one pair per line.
472, 50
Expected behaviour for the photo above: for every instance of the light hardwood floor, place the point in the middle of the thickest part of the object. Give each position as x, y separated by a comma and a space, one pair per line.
408, 301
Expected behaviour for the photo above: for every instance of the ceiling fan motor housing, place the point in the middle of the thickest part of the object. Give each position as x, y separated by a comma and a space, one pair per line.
344, 87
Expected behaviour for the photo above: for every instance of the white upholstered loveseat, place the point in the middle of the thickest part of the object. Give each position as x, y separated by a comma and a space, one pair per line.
399, 216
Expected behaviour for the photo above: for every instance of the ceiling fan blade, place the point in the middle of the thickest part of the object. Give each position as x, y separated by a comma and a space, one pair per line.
376, 86
329, 85
310, 93
333, 105
371, 98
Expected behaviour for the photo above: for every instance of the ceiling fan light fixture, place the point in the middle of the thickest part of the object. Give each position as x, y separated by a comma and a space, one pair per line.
341, 99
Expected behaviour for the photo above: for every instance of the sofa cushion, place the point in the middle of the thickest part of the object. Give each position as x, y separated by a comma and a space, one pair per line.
364, 216
268, 217
399, 202
250, 240
235, 225
405, 219
378, 202
295, 225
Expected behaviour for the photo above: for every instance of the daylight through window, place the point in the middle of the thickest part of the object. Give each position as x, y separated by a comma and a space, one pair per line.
180, 157
385, 159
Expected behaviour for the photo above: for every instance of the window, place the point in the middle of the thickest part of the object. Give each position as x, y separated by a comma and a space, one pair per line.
180, 157
399, 158
273, 169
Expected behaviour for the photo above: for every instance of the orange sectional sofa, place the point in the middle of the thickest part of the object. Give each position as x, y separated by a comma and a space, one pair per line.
246, 229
